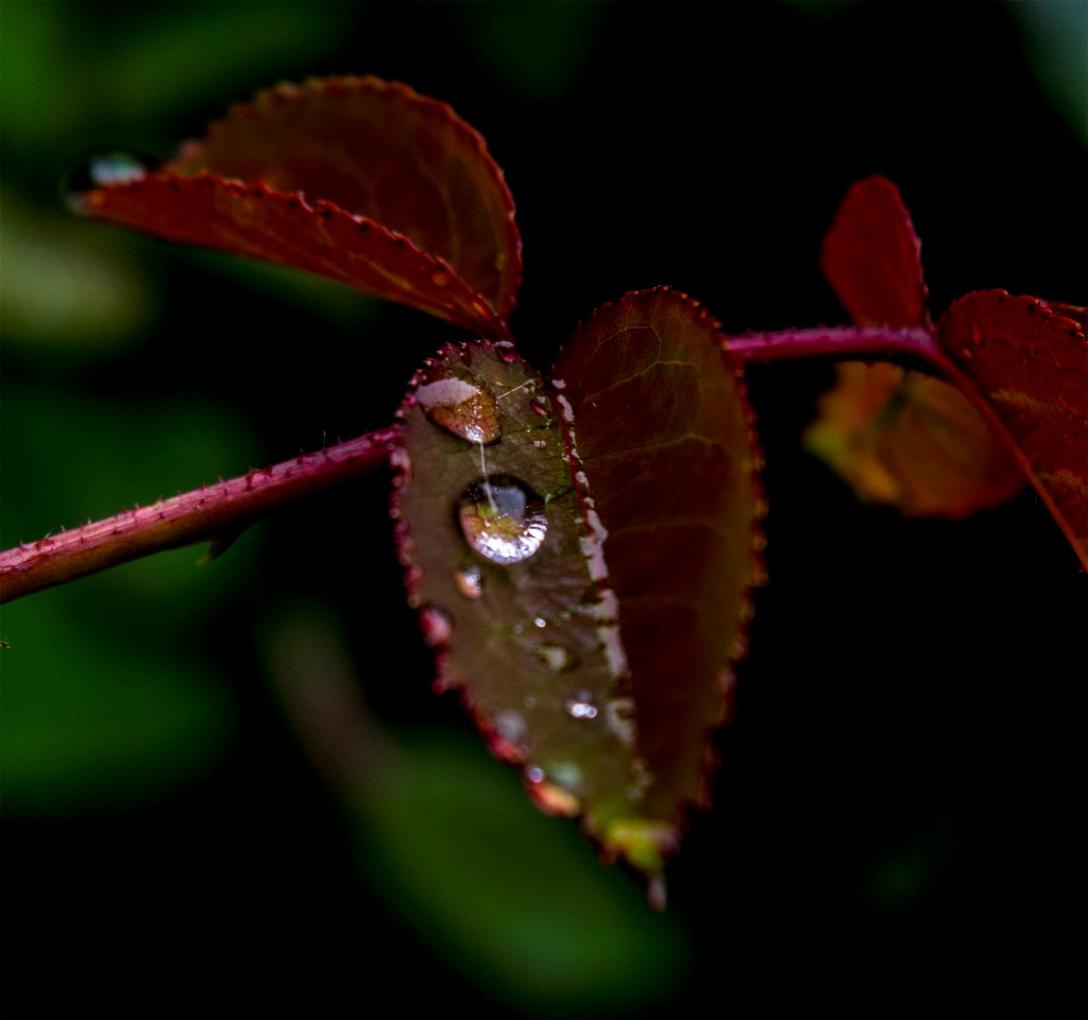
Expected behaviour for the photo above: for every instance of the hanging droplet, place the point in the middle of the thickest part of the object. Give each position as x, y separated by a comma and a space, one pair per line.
541, 405
581, 706
469, 581
437, 626
102, 169
510, 734
555, 657
502, 519
453, 398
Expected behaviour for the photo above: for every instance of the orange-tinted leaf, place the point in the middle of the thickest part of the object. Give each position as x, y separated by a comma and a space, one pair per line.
1031, 366
905, 438
363, 180
663, 446
492, 533
872, 257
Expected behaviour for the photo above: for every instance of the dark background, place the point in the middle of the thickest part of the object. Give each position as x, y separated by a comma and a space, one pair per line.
900, 821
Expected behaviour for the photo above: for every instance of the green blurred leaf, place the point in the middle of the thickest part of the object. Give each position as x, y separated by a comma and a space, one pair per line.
65, 286
513, 899
86, 721
104, 698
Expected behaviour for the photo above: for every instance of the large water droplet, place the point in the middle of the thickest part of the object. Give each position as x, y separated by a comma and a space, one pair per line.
455, 399
581, 706
469, 581
502, 519
101, 169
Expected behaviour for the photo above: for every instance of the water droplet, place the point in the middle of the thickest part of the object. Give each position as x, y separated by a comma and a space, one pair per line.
510, 726
567, 775
540, 623
541, 405
581, 706
506, 352
554, 800
540, 444
469, 581
101, 169
440, 279
554, 657
437, 626
619, 715
502, 519
535, 774
457, 401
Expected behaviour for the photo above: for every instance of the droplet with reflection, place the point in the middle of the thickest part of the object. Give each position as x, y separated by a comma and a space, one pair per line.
502, 519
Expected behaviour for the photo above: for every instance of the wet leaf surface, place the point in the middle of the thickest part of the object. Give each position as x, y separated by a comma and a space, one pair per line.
905, 438
354, 178
600, 680
492, 535
872, 257
1031, 365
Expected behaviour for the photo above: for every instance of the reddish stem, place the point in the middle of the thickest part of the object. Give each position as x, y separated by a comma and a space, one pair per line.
837, 342
218, 512
214, 512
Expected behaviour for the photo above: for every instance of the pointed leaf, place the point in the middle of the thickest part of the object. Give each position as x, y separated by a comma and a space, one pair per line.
1031, 366
905, 438
666, 464
355, 178
504, 588
872, 257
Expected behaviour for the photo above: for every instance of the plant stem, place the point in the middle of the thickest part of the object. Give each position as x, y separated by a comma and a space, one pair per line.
214, 512
838, 342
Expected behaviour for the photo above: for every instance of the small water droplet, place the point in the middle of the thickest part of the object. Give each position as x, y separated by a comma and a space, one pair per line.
535, 774
619, 715
510, 726
554, 800
101, 169
469, 581
506, 352
437, 626
540, 623
581, 706
555, 657
540, 444
456, 400
502, 519
541, 405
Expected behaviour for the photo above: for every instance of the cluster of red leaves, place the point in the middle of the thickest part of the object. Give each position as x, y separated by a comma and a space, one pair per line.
632, 605
1019, 406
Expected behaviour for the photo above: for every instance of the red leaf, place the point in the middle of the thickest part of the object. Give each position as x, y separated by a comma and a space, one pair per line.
905, 438
872, 257
342, 168
491, 531
663, 442
1031, 366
